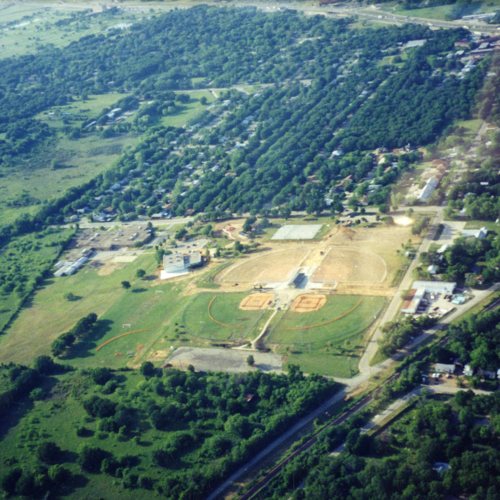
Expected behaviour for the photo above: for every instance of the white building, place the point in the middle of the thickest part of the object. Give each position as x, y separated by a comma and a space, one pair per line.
445, 287
468, 371
432, 269
475, 233
175, 263
428, 189
443, 368
421, 288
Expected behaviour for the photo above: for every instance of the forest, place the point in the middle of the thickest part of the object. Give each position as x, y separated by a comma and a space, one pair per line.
439, 449
177, 433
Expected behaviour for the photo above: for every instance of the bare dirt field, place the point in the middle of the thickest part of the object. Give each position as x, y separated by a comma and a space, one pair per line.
256, 301
308, 303
270, 267
360, 257
227, 360
350, 265
366, 257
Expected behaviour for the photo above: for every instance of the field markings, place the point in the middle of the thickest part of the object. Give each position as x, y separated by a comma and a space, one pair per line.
328, 322
112, 339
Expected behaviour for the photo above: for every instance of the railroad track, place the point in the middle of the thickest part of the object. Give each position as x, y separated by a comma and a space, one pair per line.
262, 483
340, 419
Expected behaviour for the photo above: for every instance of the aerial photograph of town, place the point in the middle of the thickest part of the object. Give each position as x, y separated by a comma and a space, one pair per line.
250, 249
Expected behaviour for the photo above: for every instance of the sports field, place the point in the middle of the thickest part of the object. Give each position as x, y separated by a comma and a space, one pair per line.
153, 318
315, 340
269, 267
218, 317
351, 265
256, 301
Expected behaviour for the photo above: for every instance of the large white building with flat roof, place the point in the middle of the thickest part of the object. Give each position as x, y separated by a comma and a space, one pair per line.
446, 287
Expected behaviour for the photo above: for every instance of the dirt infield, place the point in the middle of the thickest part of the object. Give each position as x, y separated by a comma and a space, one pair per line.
308, 303
351, 265
256, 301
270, 267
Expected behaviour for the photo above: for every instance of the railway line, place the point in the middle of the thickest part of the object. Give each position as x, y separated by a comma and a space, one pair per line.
261, 483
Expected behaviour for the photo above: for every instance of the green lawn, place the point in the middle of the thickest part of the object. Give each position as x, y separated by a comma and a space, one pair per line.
325, 364
329, 341
188, 111
216, 316
439, 13
50, 314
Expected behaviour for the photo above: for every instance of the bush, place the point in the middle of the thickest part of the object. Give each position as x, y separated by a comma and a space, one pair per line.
49, 452
91, 459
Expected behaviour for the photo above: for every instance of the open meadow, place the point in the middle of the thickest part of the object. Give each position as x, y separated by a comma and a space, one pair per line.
26, 27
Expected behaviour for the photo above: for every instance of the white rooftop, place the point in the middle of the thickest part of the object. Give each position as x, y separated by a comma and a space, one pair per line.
435, 286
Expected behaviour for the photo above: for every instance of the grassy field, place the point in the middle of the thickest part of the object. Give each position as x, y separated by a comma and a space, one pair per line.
85, 158
190, 110
157, 316
50, 314
217, 317
25, 27
330, 340
439, 13
21, 263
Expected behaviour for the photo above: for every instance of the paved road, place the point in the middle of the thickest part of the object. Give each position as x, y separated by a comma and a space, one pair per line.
392, 309
310, 8
371, 371
86, 224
